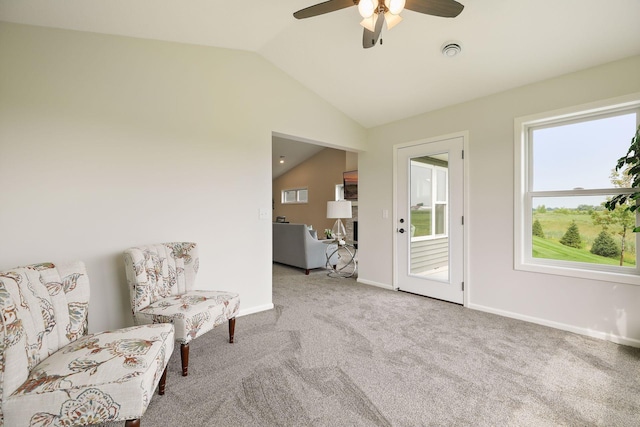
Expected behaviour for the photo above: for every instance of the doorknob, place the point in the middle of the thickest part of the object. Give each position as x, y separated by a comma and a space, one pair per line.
401, 220
401, 230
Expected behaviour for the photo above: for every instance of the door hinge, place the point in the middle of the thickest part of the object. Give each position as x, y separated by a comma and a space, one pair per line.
463, 154
463, 220
463, 286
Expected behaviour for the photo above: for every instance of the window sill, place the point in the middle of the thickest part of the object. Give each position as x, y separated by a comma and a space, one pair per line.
631, 278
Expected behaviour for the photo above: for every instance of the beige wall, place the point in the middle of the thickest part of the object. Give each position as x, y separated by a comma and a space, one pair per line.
108, 142
602, 309
352, 161
319, 174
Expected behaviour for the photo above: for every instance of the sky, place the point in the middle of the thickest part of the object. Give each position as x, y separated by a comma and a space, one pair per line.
579, 155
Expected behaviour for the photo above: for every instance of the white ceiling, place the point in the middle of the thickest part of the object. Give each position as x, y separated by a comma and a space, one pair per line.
505, 44
293, 153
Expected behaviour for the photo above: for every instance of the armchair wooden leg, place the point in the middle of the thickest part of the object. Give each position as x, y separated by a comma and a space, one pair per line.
232, 328
163, 381
184, 353
132, 423
306, 271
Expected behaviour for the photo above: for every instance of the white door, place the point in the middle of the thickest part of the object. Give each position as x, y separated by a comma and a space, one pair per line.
429, 219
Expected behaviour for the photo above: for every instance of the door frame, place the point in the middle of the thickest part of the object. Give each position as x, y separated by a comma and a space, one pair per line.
465, 200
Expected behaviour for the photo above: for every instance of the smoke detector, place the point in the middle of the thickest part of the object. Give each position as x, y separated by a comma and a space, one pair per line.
451, 49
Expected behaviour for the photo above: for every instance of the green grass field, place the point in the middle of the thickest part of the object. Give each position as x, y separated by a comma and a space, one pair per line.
421, 219
555, 224
548, 249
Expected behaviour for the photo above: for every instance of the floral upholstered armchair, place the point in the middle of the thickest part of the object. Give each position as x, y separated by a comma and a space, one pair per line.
52, 373
161, 281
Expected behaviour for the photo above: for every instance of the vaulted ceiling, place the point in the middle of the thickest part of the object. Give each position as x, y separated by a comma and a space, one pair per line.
505, 44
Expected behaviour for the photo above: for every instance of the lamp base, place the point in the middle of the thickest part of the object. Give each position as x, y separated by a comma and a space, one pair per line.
338, 231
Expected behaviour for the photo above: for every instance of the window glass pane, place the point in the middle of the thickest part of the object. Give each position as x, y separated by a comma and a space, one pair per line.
289, 196
420, 222
579, 229
421, 199
580, 155
421, 185
302, 196
441, 215
441, 183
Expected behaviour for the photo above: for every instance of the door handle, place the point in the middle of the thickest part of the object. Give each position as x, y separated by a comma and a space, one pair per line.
401, 230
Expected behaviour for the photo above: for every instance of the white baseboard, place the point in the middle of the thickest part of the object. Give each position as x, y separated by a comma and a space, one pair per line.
632, 342
372, 283
252, 310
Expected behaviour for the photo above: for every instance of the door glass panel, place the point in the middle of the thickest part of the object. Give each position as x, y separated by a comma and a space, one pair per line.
441, 182
421, 199
441, 211
429, 242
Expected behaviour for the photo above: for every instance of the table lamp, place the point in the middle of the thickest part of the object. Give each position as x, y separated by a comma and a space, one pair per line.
339, 209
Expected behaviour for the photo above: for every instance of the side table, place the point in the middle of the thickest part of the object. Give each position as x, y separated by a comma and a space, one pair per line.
347, 264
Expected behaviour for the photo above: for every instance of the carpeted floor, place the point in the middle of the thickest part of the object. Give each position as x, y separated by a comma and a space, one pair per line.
337, 353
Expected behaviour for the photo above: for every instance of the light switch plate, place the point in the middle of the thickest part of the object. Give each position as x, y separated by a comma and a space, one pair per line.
264, 213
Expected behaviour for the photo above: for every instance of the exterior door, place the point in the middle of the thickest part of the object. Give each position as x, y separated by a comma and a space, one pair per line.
429, 219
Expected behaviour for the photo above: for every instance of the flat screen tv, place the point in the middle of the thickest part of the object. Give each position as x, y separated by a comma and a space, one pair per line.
350, 181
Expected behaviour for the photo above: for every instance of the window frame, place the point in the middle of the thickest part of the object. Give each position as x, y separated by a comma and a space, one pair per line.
524, 194
297, 191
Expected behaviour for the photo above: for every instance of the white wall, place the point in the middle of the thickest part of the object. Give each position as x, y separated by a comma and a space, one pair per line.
108, 142
603, 309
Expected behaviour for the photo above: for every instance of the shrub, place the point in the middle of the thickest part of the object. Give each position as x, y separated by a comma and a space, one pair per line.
572, 236
537, 229
605, 245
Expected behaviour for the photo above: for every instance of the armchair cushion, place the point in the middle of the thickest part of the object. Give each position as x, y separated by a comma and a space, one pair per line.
193, 313
109, 375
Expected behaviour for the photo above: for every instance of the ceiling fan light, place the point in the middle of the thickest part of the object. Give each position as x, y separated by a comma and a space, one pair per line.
370, 23
392, 20
366, 8
395, 6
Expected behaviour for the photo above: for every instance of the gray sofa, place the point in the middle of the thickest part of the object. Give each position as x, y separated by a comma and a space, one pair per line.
296, 245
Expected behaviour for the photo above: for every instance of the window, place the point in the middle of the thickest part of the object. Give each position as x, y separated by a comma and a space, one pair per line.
295, 195
339, 192
564, 174
428, 198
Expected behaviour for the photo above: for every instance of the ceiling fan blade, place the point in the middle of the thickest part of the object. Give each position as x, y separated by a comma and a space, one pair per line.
443, 8
322, 8
370, 38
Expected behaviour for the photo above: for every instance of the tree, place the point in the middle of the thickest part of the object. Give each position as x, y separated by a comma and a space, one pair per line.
604, 245
632, 174
572, 237
621, 215
537, 229
585, 208
621, 218
541, 209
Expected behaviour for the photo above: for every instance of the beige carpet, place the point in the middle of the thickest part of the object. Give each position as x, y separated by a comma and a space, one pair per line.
337, 353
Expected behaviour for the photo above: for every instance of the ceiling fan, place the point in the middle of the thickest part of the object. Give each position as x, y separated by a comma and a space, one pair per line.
376, 12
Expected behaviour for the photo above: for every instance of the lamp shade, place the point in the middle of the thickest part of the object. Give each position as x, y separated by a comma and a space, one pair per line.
339, 209
395, 6
367, 7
